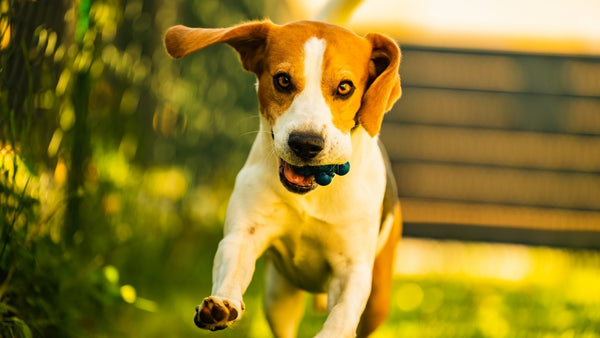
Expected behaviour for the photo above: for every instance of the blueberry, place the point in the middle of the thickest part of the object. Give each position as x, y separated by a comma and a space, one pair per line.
323, 178
305, 171
343, 169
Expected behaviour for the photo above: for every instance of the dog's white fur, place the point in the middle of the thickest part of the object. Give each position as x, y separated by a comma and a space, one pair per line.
324, 241
310, 113
309, 236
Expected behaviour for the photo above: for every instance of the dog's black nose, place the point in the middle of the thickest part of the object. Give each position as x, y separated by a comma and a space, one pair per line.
306, 146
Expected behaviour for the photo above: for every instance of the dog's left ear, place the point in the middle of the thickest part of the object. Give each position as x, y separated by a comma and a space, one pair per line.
384, 80
248, 39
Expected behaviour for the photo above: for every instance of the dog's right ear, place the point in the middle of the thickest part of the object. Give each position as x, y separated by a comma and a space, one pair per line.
248, 39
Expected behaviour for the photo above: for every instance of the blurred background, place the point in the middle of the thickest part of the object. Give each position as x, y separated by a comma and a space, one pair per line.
117, 162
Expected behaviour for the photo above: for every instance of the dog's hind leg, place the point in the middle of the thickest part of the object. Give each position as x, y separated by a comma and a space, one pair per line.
378, 305
284, 303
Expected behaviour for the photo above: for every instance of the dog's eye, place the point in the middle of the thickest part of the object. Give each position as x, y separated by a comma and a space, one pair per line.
283, 82
345, 89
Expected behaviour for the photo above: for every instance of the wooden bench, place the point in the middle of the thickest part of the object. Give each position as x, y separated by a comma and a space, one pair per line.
498, 147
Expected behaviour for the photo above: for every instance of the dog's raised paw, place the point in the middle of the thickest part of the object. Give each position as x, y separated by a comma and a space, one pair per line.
216, 314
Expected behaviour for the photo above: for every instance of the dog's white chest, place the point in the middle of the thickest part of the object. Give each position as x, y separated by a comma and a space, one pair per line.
303, 255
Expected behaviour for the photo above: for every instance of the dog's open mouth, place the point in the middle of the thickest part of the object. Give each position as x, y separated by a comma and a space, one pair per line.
301, 180
294, 181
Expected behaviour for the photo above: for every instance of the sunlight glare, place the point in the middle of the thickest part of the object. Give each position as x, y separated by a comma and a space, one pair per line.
530, 25
491, 261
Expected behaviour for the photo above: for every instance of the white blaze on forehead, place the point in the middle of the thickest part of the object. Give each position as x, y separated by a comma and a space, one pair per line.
310, 103
310, 113
314, 50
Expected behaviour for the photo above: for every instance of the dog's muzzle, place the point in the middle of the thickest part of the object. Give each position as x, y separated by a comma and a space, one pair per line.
301, 180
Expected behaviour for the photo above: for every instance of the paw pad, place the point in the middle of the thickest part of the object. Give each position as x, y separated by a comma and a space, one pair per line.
215, 314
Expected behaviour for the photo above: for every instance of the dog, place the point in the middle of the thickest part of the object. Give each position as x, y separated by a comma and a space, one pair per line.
316, 194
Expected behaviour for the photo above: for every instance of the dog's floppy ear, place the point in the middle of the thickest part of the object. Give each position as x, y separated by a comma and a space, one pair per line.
248, 40
384, 80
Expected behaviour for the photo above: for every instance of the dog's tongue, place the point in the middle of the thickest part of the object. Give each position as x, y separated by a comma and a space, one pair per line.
293, 177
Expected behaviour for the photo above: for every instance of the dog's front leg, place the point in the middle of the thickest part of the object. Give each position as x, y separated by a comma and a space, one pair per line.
348, 295
232, 272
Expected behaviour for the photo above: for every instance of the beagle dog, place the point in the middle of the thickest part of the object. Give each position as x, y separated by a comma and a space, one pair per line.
322, 93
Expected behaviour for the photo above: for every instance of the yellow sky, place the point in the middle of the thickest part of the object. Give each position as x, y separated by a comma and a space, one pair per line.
556, 26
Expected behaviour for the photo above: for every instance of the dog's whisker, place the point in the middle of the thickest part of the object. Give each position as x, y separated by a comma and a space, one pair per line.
254, 132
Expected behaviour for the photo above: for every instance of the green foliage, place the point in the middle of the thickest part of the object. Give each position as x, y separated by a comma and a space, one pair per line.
109, 153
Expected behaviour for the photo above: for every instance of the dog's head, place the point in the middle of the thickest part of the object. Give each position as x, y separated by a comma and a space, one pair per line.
317, 83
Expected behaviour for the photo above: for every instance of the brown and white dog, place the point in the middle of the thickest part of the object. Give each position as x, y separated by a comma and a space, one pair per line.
322, 92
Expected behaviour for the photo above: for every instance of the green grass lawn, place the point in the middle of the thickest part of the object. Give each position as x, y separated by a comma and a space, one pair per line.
441, 289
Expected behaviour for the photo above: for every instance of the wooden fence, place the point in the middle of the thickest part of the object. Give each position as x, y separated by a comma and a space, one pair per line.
498, 146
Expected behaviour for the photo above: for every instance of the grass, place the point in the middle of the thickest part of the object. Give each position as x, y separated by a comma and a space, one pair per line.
441, 289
